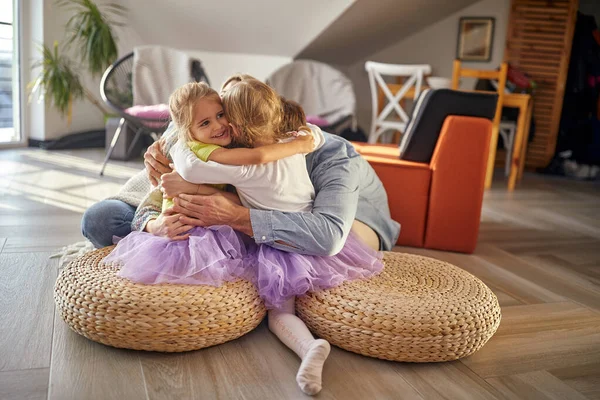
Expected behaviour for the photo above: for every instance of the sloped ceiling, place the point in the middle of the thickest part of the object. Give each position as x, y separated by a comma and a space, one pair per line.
368, 26
270, 27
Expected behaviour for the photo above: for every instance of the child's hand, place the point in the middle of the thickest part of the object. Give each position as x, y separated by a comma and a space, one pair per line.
172, 185
306, 143
168, 225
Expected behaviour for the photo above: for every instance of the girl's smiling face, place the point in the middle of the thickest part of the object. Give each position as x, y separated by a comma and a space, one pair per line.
209, 124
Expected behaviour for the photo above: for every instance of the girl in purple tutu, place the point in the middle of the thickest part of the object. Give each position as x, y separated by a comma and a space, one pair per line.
260, 118
200, 255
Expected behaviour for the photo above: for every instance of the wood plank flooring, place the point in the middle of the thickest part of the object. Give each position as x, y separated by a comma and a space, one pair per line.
539, 251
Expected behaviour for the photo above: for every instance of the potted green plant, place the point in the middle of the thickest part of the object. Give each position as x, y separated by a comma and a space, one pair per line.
90, 32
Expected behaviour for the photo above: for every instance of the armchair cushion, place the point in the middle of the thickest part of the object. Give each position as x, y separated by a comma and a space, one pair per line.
429, 114
407, 186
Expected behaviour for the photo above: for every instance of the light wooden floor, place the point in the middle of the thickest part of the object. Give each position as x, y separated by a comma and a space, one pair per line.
538, 251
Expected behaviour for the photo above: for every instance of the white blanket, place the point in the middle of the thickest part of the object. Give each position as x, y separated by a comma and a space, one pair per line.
157, 72
320, 89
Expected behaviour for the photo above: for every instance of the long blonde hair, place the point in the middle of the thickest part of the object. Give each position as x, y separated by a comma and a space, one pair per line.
181, 106
261, 115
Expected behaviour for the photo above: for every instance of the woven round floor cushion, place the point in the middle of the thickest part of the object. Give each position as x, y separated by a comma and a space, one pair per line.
103, 307
418, 309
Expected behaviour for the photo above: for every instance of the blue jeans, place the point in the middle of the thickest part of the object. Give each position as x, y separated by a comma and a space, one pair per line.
106, 219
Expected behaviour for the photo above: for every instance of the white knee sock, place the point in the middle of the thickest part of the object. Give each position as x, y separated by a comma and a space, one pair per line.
295, 335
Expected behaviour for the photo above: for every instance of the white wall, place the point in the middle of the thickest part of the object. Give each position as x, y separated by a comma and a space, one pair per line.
85, 115
273, 27
219, 66
32, 32
434, 45
43, 22
369, 26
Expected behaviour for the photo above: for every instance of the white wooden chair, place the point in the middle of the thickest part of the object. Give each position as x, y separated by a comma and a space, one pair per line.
414, 75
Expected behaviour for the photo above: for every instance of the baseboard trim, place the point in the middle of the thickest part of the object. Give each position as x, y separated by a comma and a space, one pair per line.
78, 140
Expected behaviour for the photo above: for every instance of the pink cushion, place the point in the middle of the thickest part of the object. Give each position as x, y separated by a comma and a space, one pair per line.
316, 120
157, 111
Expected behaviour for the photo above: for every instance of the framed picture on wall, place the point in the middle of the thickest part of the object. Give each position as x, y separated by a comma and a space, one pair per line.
475, 38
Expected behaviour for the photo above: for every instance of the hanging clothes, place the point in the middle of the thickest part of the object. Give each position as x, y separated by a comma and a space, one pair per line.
579, 132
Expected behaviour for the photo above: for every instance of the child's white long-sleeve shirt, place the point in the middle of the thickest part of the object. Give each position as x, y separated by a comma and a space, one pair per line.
282, 185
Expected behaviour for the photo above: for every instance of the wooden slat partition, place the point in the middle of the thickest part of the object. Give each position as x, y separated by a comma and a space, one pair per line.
538, 42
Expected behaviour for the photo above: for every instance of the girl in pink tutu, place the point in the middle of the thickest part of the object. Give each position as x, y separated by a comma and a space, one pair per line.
203, 255
260, 118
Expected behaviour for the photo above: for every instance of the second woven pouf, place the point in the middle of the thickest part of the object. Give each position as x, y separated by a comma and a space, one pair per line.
418, 309
103, 307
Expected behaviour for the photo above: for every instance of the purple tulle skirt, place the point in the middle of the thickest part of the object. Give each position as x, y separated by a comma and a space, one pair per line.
219, 254
210, 256
280, 275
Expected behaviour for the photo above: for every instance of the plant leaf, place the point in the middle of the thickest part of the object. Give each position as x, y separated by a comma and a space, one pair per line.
89, 28
58, 79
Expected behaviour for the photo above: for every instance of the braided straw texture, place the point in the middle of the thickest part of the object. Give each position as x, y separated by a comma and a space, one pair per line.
99, 305
418, 309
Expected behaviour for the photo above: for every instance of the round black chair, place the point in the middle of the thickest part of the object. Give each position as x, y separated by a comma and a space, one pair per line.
116, 90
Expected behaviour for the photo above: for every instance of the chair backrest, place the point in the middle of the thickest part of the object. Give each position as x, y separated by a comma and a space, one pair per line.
414, 75
430, 113
116, 90
500, 75
115, 87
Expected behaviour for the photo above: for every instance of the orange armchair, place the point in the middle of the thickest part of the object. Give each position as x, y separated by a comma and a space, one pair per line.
438, 205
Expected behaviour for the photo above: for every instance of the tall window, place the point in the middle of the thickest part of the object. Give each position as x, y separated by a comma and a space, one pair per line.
9, 74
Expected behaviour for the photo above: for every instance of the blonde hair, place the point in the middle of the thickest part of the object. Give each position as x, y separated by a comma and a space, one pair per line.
260, 113
181, 106
236, 78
